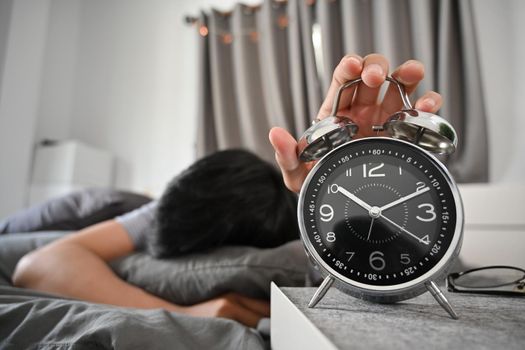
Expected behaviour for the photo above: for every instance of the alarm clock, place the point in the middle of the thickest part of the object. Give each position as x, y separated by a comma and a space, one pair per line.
381, 218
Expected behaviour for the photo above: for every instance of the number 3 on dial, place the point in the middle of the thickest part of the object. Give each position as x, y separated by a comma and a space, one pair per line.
430, 210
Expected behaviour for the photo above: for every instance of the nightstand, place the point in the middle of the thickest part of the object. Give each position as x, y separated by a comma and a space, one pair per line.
340, 321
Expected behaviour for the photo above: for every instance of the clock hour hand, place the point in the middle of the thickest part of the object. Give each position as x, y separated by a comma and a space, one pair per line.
336, 188
404, 199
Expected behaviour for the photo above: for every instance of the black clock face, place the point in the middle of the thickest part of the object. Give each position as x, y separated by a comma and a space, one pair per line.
379, 212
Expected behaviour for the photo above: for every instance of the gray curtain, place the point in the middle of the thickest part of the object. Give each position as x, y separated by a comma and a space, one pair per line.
271, 65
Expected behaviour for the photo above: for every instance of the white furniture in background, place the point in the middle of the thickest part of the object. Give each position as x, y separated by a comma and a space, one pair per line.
494, 225
67, 166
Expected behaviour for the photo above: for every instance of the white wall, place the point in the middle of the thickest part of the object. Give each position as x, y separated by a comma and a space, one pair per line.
501, 45
516, 171
127, 84
19, 98
5, 21
59, 68
120, 75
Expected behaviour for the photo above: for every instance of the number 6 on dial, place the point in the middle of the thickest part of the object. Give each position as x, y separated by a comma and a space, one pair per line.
377, 261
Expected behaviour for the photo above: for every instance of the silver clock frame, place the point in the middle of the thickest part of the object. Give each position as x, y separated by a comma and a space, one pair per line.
392, 293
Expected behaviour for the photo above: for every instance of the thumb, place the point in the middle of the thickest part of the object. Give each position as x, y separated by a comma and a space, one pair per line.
294, 171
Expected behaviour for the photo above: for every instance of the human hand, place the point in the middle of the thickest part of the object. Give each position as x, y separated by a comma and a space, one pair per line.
360, 103
245, 310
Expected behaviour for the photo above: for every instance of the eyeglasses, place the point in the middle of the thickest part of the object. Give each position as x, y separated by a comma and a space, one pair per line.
503, 280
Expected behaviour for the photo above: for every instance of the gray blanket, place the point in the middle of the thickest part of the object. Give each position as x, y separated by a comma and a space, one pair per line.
32, 320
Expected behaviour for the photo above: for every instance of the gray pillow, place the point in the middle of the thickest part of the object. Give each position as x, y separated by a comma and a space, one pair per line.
197, 277
188, 279
73, 211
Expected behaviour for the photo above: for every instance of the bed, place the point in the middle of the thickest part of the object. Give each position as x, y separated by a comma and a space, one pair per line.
34, 320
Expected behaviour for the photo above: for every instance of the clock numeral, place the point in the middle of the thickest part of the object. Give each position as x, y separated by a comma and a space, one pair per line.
371, 276
430, 210
332, 189
327, 212
376, 260
348, 172
372, 172
350, 255
409, 271
330, 237
400, 170
420, 185
405, 259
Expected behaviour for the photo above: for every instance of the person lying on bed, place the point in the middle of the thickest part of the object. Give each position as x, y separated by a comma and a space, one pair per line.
230, 197
77, 265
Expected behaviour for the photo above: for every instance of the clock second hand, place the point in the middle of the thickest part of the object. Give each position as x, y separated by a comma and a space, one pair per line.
370, 229
421, 240
368, 207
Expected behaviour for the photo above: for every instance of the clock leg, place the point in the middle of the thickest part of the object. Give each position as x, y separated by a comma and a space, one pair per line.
440, 298
321, 291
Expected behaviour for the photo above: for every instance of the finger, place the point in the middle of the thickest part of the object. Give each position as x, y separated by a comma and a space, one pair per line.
409, 74
431, 102
375, 70
262, 307
349, 68
294, 171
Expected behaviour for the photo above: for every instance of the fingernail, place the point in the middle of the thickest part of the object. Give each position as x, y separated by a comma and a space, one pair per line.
374, 69
410, 63
370, 71
413, 72
430, 103
354, 60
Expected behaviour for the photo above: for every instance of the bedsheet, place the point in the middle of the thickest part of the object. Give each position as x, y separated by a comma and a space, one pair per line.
34, 320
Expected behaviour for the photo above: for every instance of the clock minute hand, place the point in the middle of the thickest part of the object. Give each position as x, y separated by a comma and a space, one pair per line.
404, 199
353, 197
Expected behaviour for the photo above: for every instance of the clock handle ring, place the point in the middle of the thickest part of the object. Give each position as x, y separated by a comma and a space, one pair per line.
400, 88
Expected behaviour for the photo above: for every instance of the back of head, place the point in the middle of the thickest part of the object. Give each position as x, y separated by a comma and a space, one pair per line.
228, 198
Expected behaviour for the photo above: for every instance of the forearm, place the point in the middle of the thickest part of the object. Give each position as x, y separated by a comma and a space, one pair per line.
73, 271
76, 267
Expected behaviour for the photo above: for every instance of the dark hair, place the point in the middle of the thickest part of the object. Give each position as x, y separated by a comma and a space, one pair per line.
228, 198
